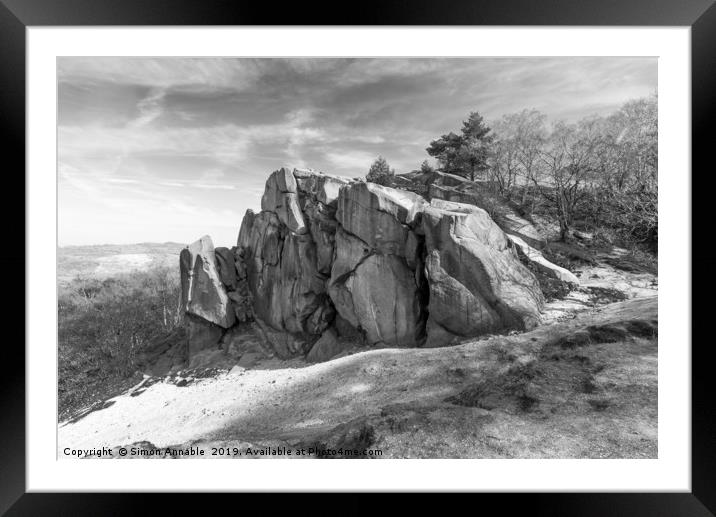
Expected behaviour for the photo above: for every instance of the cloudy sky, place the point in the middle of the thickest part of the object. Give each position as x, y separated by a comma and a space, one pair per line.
168, 149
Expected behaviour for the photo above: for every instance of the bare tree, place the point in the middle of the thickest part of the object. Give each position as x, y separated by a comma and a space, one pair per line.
629, 157
625, 191
503, 162
569, 160
531, 138
519, 142
601, 171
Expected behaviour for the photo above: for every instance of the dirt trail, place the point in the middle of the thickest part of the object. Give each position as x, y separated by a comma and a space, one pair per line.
582, 387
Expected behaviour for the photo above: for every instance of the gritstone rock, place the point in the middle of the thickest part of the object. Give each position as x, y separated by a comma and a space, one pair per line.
329, 258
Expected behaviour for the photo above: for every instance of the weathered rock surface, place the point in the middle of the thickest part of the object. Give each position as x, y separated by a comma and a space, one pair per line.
322, 225
505, 216
202, 334
281, 197
329, 258
449, 187
243, 339
283, 343
203, 293
377, 215
477, 285
544, 266
373, 281
381, 297
321, 187
288, 293
326, 347
242, 302
226, 266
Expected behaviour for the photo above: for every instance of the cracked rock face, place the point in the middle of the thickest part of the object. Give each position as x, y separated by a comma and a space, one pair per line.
379, 216
281, 268
381, 297
203, 294
477, 285
329, 257
281, 198
448, 187
373, 284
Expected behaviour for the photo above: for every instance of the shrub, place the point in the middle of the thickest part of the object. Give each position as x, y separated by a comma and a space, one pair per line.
104, 325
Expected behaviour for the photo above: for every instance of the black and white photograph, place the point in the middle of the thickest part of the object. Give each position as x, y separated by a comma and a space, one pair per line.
357, 258
459, 239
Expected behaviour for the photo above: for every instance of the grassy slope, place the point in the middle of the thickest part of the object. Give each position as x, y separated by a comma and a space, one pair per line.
584, 388
84, 384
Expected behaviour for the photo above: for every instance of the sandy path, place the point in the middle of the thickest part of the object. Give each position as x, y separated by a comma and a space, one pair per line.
292, 404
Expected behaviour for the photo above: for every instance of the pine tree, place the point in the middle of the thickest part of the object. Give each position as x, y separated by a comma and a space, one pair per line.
380, 172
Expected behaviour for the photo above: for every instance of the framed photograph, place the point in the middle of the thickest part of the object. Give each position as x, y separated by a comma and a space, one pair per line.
426, 236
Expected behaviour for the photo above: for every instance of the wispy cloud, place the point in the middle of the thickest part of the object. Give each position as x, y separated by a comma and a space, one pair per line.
350, 160
160, 148
149, 108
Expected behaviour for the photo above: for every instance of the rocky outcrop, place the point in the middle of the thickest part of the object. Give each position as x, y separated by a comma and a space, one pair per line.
381, 297
449, 187
203, 293
281, 197
215, 294
373, 280
288, 263
477, 286
329, 260
202, 335
226, 267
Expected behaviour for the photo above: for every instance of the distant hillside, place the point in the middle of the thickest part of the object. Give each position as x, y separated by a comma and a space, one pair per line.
107, 260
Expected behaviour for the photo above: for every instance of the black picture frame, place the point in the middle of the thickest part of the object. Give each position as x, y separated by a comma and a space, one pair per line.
17, 15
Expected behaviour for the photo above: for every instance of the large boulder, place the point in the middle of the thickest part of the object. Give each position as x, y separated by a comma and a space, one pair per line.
484, 194
284, 344
242, 303
350, 251
203, 293
318, 198
477, 284
287, 265
281, 197
226, 267
381, 297
379, 216
322, 226
450, 187
287, 291
330, 260
503, 213
373, 279
323, 188
202, 335
325, 348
